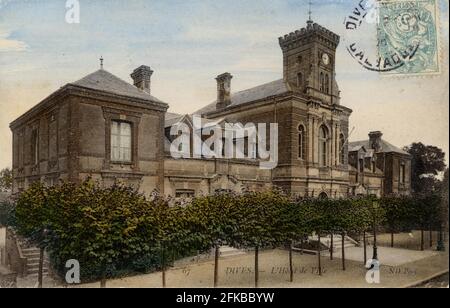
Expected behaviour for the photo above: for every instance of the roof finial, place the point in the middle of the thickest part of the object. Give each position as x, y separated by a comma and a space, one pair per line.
310, 11
101, 62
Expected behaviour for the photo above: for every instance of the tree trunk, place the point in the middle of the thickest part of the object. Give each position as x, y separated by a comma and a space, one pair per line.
291, 268
41, 267
318, 255
365, 247
256, 267
331, 246
343, 251
163, 266
103, 283
301, 246
431, 238
216, 266
422, 240
392, 239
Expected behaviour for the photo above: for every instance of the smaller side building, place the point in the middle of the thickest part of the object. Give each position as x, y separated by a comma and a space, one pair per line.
379, 168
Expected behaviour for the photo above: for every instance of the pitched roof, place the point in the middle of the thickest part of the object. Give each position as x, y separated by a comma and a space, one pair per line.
253, 94
386, 147
172, 118
105, 81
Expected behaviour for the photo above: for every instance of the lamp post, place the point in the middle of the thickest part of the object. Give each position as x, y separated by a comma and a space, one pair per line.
440, 244
45, 233
375, 248
442, 225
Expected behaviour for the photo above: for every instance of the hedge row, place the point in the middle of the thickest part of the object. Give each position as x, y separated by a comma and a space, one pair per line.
117, 230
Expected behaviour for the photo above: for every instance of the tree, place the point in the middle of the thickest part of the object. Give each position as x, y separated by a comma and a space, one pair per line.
259, 222
6, 179
212, 221
427, 162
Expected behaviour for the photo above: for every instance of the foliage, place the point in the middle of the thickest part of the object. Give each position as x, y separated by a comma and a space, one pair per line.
260, 220
105, 229
427, 162
115, 230
6, 213
6, 179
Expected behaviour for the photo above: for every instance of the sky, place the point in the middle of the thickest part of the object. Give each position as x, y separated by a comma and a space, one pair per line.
188, 43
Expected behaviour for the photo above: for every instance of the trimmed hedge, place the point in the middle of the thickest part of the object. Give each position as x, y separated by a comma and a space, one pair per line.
115, 230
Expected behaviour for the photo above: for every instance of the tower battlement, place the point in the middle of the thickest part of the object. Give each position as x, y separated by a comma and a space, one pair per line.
294, 38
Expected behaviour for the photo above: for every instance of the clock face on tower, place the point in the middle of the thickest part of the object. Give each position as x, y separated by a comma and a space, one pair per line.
325, 59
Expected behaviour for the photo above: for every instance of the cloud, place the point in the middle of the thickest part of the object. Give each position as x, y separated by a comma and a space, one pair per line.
7, 44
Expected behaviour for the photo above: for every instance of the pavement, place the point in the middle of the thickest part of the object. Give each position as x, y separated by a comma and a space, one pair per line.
399, 268
386, 255
274, 272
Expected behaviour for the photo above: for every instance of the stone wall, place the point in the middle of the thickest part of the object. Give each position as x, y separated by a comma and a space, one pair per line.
14, 258
8, 279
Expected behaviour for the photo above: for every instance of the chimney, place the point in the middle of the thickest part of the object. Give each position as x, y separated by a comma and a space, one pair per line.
223, 90
141, 78
375, 140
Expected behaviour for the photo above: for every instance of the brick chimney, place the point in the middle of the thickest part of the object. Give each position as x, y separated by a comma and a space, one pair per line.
375, 140
223, 90
142, 78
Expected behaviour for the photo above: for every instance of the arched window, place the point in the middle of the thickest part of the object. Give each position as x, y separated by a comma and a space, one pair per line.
342, 148
323, 196
327, 84
321, 86
299, 80
323, 146
301, 142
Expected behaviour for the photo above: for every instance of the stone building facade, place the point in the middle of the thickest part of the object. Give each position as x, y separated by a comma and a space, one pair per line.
109, 129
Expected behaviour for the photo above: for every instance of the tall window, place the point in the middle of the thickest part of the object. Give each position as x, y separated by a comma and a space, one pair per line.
327, 84
34, 147
323, 146
299, 80
322, 82
301, 142
342, 148
402, 173
120, 141
253, 150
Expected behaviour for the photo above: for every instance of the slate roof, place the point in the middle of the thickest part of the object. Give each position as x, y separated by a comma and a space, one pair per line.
386, 147
172, 118
253, 94
105, 81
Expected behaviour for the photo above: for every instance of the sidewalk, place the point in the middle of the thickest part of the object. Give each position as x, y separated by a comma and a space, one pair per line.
274, 272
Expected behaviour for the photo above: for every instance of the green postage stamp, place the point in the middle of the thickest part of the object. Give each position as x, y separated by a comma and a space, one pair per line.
408, 33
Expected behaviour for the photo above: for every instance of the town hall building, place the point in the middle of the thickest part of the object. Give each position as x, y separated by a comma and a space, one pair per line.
106, 128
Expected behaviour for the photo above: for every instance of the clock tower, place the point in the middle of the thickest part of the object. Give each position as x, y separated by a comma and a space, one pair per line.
309, 62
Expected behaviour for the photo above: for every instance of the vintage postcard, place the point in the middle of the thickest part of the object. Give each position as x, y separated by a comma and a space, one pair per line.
199, 146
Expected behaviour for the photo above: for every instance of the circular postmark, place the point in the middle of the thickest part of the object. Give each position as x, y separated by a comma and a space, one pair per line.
405, 36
